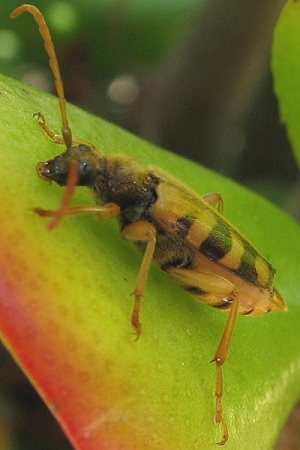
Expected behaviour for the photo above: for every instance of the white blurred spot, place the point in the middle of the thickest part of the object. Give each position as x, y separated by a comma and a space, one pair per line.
38, 79
123, 89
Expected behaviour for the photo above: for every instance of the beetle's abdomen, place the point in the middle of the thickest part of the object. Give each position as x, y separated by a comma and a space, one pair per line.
198, 225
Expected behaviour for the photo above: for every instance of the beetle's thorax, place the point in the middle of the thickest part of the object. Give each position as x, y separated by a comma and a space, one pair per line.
127, 183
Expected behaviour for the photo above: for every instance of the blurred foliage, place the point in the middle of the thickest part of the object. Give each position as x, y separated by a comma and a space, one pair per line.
191, 76
286, 68
95, 41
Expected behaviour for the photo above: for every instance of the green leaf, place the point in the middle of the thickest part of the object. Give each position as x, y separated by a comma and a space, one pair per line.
66, 305
286, 68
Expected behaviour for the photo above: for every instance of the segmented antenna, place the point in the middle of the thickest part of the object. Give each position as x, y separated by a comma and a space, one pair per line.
53, 63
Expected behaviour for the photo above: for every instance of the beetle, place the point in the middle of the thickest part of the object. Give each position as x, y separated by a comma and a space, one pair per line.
185, 234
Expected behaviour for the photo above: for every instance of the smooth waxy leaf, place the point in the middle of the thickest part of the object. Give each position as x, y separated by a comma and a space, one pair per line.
65, 305
286, 68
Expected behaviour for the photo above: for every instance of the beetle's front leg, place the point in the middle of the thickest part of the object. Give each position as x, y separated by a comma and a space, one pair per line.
42, 123
141, 231
65, 138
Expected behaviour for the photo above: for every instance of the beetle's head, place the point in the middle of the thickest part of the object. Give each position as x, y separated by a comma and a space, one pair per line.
58, 168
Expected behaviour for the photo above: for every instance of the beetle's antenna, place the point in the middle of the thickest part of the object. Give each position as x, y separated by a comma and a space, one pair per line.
53, 63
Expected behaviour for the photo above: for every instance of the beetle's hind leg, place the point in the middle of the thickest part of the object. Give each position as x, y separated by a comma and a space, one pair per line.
218, 292
220, 358
141, 231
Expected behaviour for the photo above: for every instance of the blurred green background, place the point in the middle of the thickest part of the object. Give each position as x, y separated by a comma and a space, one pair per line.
192, 76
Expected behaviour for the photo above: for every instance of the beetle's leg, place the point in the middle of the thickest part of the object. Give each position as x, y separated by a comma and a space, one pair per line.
42, 123
218, 292
104, 212
214, 199
57, 138
141, 231
220, 359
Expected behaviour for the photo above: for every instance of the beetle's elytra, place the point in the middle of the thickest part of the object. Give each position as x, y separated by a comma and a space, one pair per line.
182, 232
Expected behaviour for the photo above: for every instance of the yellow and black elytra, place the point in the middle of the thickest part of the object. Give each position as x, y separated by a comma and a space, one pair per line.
182, 232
